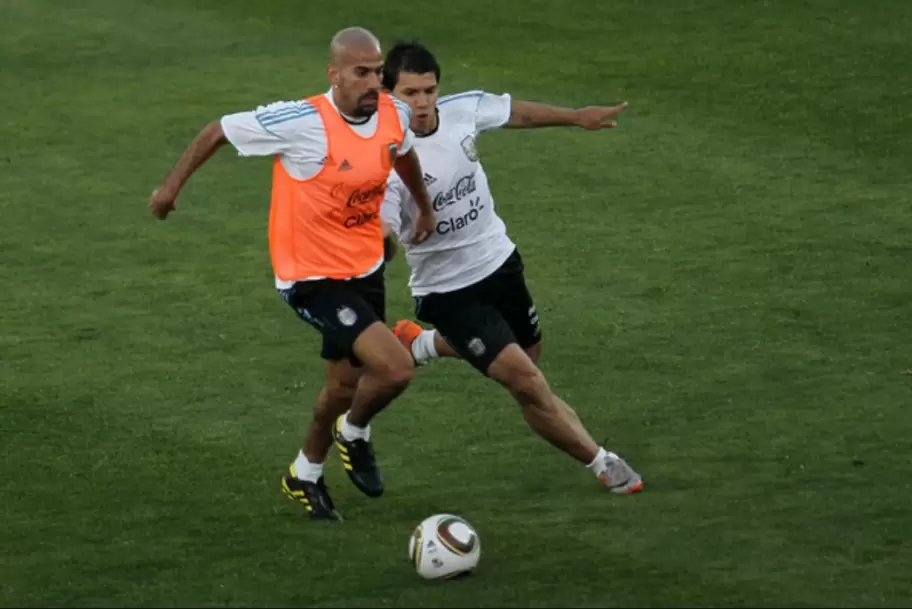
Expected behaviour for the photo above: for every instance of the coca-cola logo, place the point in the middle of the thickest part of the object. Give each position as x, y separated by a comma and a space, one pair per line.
362, 195
360, 218
464, 187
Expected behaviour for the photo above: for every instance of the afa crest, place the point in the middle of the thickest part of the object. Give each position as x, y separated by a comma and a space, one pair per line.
468, 146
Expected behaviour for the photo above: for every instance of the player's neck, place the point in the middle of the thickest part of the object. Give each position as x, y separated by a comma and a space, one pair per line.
348, 114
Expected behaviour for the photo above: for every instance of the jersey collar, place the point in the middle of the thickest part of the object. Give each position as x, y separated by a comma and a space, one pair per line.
435, 129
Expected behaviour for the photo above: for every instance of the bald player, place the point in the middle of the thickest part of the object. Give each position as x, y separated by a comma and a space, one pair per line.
332, 156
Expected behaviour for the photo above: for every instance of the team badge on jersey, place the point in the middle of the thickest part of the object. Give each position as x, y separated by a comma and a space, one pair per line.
468, 146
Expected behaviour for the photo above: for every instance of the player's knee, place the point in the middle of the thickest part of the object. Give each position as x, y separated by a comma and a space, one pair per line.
530, 387
385, 358
400, 375
514, 369
397, 372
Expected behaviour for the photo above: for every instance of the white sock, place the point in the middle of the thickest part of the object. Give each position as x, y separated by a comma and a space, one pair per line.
351, 432
423, 348
305, 470
598, 464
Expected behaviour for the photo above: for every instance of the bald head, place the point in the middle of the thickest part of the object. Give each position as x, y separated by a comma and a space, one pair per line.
350, 43
355, 62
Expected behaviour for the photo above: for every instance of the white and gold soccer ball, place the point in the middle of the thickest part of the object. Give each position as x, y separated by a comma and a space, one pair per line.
444, 546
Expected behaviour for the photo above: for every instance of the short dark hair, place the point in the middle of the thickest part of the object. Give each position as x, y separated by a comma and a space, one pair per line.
411, 57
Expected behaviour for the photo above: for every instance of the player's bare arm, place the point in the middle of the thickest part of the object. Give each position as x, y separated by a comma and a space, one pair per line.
409, 169
529, 115
389, 242
203, 146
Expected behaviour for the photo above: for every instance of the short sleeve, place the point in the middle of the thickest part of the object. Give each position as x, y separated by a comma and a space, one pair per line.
492, 111
408, 140
405, 119
269, 130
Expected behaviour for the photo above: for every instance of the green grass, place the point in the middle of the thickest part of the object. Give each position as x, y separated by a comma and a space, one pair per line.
723, 284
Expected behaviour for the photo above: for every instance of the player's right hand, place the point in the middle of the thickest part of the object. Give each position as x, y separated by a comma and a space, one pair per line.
162, 203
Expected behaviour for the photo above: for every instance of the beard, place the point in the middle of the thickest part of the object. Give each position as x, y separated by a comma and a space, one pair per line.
367, 104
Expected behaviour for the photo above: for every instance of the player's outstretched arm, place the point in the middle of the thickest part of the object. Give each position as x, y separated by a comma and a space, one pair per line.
529, 115
203, 146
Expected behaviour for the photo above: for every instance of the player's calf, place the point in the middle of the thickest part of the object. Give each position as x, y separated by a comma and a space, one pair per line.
553, 420
304, 483
335, 399
388, 370
515, 371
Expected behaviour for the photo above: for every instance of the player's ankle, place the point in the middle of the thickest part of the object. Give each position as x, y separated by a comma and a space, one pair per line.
599, 462
423, 349
353, 432
304, 469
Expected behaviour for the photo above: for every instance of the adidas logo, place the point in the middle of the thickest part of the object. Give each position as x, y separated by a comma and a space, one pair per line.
345, 166
429, 179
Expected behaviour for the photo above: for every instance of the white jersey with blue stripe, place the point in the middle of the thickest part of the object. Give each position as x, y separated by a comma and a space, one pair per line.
294, 132
470, 241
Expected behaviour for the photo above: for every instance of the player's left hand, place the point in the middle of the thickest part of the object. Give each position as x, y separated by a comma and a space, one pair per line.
425, 225
599, 117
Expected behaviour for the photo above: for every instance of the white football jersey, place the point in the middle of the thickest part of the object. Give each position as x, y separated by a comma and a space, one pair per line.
294, 131
471, 240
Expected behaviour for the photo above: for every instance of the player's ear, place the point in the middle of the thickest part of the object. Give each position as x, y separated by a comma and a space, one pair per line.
332, 74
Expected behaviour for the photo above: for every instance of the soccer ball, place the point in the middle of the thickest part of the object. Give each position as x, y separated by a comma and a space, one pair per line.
444, 546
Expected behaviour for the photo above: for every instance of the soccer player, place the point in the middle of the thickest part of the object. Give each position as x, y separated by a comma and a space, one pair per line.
468, 278
333, 154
